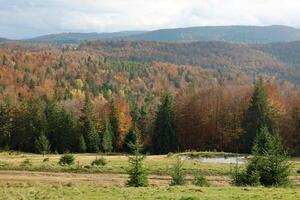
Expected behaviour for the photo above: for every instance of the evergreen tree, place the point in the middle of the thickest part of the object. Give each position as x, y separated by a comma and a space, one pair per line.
257, 116
165, 138
261, 142
88, 128
81, 144
137, 172
106, 140
61, 129
131, 138
5, 126
67, 131
270, 160
33, 122
42, 144
114, 121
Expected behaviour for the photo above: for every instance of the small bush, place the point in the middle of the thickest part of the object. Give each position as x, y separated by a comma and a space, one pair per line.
245, 178
3, 164
26, 163
177, 173
99, 162
200, 180
66, 159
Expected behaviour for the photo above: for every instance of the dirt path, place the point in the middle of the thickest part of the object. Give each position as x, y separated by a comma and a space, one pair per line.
99, 179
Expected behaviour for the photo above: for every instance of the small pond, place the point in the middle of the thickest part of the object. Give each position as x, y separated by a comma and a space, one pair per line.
221, 160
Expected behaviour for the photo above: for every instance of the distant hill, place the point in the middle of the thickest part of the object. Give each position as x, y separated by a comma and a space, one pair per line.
288, 52
76, 38
275, 59
235, 34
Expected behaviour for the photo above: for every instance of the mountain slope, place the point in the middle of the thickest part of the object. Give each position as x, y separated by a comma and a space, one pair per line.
236, 34
288, 52
2, 39
253, 60
76, 38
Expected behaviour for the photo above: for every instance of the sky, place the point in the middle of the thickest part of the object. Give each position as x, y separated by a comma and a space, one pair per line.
29, 18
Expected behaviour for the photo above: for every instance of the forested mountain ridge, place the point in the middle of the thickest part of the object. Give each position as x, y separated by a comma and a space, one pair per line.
76, 38
235, 34
254, 60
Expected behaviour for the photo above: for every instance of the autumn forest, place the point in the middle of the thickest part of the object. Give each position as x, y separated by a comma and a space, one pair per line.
88, 99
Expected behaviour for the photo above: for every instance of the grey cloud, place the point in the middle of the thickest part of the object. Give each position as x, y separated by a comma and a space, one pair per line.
28, 18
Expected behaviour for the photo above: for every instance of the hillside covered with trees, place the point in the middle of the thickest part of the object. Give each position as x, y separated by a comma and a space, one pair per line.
98, 97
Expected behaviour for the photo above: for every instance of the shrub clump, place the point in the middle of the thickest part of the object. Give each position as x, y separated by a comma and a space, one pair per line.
269, 165
177, 172
200, 180
99, 162
245, 178
26, 163
66, 159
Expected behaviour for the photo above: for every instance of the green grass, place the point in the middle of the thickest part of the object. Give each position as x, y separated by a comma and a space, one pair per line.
115, 164
70, 191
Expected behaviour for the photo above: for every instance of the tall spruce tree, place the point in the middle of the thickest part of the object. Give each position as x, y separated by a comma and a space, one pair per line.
256, 117
81, 144
35, 122
131, 138
88, 127
5, 126
114, 121
165, 138
61, 128
106, 136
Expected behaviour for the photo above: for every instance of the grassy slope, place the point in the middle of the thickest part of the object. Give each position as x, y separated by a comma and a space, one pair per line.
70, 191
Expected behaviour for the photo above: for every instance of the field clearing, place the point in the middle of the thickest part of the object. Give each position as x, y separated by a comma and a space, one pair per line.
86, 191
39, 179
155, 164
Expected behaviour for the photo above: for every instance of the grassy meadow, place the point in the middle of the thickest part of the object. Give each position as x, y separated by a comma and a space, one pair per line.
33, 176
69, 191
155, 164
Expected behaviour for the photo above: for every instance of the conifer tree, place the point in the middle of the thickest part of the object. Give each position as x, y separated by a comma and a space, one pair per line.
81, 145
114, 121
262, 141
137, 172
131, 138
165, 138
270, 160
88, 127
257, 116
42, 144
106, 141
33, 124
5, 126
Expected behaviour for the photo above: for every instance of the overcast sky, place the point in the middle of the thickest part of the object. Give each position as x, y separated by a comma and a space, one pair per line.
29, 18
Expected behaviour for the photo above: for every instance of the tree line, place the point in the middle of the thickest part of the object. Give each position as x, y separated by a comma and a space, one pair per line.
218, 118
